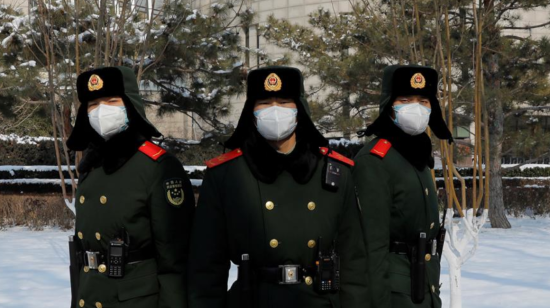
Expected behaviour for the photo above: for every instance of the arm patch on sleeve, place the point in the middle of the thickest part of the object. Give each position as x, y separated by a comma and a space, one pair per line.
173, 189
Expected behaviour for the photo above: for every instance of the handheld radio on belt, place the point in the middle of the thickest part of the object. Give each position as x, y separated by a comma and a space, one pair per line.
118, 252
327, 270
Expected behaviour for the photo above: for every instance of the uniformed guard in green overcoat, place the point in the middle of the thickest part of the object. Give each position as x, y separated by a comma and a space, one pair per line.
281, 206
397, 194
134, 203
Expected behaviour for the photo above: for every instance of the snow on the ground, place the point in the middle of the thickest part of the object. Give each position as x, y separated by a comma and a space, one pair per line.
511, 268
194, 168
344, 142
36, 181
13, 168
34, 268
36, 168
504, 178
24, 139
526, 166
522, 167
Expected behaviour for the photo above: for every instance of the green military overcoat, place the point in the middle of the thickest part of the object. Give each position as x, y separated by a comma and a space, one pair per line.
275, 224
398, 203
128, 182
136, 197
396, 191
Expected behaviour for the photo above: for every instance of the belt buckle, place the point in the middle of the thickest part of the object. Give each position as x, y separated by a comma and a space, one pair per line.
92, 258
290, 274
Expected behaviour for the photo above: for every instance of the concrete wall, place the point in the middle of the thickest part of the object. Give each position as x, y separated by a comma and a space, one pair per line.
176, 125
532, 18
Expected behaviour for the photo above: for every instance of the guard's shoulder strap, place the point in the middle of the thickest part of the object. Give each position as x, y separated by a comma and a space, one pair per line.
152, 150
381, 148
224, 158
337, 156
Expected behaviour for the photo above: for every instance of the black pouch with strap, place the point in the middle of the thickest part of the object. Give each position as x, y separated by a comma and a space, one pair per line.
416, 254
441, 237
418, 270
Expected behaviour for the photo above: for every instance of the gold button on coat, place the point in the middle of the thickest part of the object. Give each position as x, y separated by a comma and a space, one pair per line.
428, 257
432, 225
102, 268
98, 305
103, 200
426, 191
86, 269
82, 199
433, 288
80, 235
309, 280
311, 244
274, 243
269, 205
98, 236
81, 303
311, 206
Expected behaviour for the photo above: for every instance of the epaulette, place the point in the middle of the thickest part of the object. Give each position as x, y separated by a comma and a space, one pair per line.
152, 150
224, 158
381, 148
337, 156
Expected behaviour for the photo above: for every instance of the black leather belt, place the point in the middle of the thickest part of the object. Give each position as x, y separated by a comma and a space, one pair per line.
402, 248
93, 258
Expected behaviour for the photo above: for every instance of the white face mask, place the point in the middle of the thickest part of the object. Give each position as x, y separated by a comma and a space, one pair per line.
108, 121
276, 123
413, 118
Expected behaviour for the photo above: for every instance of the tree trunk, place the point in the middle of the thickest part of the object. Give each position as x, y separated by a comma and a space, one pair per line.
67, 120
497, 214
346, 109
493, 99
455, 276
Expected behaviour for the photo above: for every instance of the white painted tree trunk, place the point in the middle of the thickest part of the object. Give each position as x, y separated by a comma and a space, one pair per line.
455, 275
70, 204
460, 245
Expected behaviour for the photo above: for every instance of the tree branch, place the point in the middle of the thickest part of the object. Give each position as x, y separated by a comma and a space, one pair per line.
527, 27
525, 109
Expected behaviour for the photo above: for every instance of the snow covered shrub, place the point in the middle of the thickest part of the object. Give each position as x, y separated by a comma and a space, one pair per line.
528, 200
525, 197
346, 147
194, 153
17, 152
527, 172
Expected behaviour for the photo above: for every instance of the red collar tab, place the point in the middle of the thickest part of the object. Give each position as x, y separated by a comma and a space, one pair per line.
337, 156
152, 150
224, 158
381, 148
